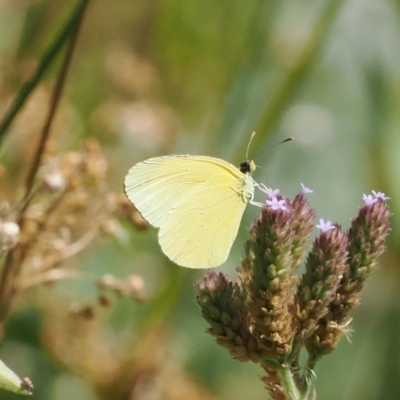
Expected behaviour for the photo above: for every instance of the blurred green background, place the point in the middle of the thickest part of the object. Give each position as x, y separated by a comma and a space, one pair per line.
198, 76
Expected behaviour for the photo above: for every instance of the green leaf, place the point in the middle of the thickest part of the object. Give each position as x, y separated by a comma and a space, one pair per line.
11, 382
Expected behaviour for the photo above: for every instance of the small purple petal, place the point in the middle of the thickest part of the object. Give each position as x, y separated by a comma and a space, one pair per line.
271, 192
325, 226
305, 190
368, 199
276, 204
380, 195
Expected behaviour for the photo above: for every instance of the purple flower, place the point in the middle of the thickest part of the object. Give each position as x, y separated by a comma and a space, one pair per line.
270, 192
325, 226
380, 195
369, 199
276, 204
305, 190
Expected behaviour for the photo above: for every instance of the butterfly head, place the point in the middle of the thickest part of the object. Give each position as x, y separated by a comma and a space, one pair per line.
247, 167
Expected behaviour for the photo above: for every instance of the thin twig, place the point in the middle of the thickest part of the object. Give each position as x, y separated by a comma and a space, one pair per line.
46, 61
55, 275
54, 103
78, 246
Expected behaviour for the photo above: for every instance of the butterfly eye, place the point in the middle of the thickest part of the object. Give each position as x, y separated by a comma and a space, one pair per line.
245, 167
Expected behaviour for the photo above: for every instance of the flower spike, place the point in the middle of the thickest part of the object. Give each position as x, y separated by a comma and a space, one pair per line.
270, 313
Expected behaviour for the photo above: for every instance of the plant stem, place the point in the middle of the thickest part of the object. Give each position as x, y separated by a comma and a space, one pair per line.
293, 79
307, 389
74, 32
289, 384
307, 386
46, 61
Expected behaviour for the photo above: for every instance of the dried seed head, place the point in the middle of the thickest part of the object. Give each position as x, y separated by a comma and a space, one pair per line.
103, 301
9, 234
53, 177
127, 211
82, 311
132, 286
108, 281
136, 282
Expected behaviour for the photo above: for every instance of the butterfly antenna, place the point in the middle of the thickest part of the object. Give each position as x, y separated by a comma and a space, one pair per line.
248, 146
263, 170
289, 139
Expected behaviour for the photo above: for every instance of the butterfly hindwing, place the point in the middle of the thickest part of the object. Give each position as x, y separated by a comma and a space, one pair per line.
199, 231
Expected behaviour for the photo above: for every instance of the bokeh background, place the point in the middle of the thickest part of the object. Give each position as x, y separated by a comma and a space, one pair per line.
153, 77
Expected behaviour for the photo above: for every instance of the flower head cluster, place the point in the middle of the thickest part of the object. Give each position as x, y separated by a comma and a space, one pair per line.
270, 313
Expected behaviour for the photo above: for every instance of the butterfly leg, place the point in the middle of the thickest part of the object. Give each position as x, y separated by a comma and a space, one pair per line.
261, 186
256, 203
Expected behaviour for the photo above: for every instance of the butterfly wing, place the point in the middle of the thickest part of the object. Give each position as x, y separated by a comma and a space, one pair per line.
200, 229
196, 201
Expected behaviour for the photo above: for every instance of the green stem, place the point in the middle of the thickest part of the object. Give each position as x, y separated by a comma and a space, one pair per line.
307, 392
312, 361
46, 61
289, 384
307, 388
293, 79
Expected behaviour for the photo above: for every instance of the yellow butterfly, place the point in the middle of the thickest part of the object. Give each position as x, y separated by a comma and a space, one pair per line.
197, 203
